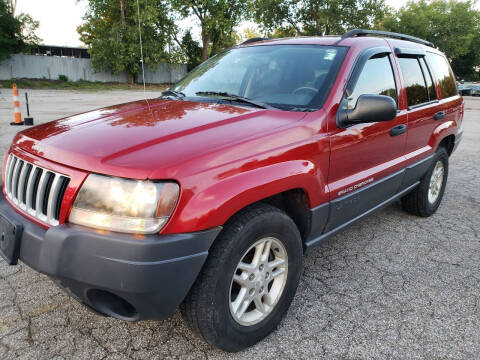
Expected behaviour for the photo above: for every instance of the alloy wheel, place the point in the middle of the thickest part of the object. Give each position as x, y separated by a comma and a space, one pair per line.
258, 281
436, 182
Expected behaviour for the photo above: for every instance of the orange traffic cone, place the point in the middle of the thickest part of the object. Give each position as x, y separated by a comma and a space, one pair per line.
16, 105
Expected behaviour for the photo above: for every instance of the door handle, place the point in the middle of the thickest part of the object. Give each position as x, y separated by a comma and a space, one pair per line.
398, 130
439, 115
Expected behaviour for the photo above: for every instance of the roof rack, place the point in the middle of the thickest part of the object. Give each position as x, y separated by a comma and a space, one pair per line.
363, 32
255, 39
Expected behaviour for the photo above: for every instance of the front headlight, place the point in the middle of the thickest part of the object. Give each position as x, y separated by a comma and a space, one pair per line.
131, 206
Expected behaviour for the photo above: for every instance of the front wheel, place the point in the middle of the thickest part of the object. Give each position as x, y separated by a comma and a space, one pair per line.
248, 280
425, 199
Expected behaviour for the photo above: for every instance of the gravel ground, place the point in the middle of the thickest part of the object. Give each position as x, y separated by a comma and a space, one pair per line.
391, 286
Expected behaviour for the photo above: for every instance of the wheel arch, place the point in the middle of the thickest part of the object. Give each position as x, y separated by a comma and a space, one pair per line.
295, 203
293, 186
444, 135
448, 142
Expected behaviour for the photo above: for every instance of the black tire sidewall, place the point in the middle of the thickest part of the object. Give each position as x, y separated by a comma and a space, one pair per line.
440, 155
282, 228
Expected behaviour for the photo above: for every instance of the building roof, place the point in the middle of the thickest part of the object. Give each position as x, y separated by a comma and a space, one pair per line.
55, 50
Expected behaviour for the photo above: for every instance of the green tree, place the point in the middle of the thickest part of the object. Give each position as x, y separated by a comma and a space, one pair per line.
217, 21
111, 33
453, 26
28, 26
317, 17
17, 33
13, 6
250, 33
9, 32
191, 50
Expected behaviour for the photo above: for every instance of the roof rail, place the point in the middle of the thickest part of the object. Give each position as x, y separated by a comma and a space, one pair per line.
255, 39
363, 32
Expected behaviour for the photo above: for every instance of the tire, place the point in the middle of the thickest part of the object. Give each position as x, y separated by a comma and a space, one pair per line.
208, 308
418, 201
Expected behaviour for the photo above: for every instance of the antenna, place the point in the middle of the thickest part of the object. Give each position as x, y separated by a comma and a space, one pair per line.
141, 50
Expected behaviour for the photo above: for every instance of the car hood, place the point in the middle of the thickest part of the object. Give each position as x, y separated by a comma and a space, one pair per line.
134, 139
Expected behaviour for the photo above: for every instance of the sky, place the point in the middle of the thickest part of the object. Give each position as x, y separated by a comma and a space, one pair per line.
60, 18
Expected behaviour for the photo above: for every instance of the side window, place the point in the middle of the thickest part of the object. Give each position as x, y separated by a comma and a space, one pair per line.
376, 78
414, 81
432, 95
444, 74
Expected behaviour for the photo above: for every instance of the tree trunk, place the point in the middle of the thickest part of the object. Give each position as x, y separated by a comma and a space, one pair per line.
122, 15
205, 41
317, 24
214, 47
13, 6
122, 12
131, 78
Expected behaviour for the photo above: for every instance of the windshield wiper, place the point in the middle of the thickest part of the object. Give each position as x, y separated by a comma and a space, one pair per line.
177, 94
234, 97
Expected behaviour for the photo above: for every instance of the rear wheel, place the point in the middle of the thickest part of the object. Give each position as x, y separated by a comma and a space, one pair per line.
425, 199
248, 280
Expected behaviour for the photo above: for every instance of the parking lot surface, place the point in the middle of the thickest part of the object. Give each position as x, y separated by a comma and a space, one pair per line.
392, 286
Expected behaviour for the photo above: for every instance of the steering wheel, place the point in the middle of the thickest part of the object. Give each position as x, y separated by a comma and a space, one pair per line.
303, 88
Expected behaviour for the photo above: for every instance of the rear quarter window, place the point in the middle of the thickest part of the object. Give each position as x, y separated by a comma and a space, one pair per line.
417, 92
444, 74
428, 79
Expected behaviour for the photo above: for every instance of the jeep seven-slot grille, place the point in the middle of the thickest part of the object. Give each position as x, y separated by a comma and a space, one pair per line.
35, 190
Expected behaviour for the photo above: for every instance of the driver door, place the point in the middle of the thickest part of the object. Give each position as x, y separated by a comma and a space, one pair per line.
365, 157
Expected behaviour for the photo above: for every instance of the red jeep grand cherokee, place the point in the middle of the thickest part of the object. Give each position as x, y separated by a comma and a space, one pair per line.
208, 197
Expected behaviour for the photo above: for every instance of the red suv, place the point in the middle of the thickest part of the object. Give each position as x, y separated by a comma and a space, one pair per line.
207, 197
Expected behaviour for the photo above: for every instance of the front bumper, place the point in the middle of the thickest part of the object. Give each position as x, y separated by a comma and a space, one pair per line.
124, 276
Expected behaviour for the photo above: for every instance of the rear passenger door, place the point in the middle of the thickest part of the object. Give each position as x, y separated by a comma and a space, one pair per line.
364, 157
450, 102
422, 103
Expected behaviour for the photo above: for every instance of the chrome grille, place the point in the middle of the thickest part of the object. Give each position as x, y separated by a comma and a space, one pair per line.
35, 190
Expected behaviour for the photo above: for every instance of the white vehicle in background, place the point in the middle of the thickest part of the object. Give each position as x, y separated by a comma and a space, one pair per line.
464, 89
475, 90
469, 89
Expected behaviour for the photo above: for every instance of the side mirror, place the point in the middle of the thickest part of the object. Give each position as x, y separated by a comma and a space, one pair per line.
369, 108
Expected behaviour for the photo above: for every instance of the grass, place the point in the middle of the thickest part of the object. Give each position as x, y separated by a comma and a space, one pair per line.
75, 85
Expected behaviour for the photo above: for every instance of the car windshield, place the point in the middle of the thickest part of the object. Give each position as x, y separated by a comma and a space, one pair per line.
290, 77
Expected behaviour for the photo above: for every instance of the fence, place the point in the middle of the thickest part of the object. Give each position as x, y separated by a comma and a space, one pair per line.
50, 67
